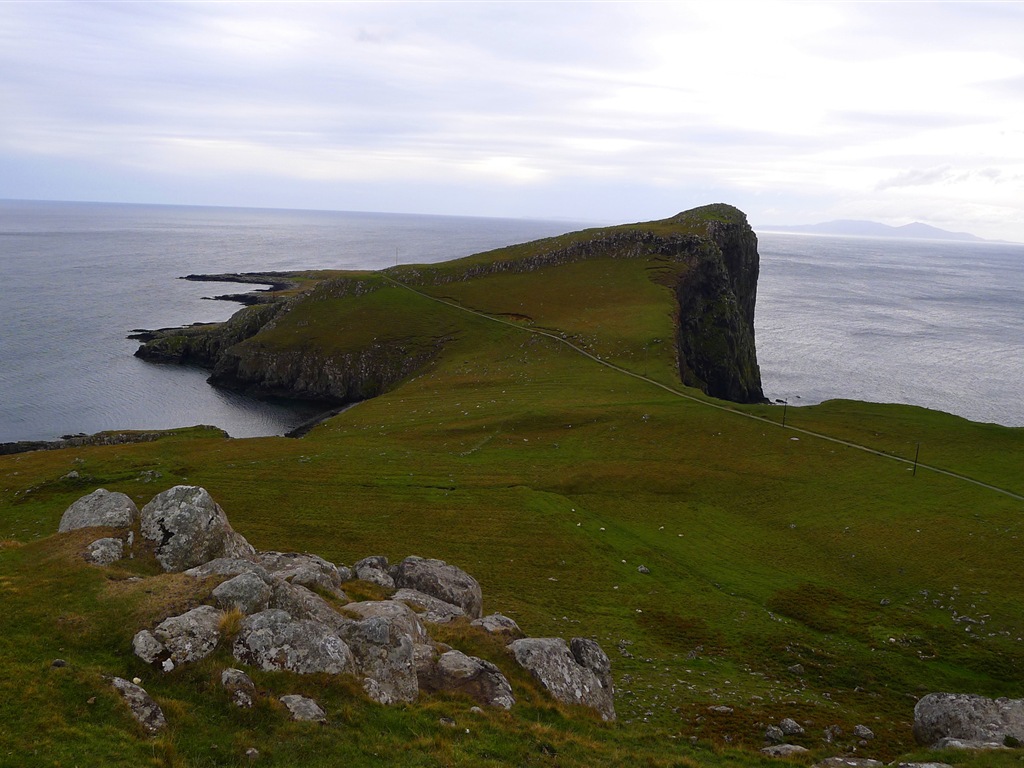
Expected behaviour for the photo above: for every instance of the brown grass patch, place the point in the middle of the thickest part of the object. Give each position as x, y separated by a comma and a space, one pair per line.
153, 599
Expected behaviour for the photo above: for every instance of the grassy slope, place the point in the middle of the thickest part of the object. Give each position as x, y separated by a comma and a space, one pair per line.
551, 479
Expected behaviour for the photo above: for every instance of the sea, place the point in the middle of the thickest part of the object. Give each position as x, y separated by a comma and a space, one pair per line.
929, 323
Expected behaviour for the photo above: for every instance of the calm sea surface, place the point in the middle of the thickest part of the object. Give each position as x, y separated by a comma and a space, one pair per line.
933, 324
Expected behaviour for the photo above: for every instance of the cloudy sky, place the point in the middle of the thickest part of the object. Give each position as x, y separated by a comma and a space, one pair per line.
797, 112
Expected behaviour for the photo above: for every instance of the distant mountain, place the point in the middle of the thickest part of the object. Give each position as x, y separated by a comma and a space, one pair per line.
916, 231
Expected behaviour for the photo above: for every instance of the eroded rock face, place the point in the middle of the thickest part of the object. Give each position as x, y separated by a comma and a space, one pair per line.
188, 528
479, 679
553, 664
441, 580
146, 711
966, 717
99, 508
272, 639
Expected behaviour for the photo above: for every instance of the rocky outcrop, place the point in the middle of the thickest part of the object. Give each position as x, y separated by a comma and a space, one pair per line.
101, 508
577, 676
273, 622
940, 717
188, 528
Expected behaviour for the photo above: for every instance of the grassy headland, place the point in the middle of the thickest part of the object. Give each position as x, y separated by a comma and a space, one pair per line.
551, 478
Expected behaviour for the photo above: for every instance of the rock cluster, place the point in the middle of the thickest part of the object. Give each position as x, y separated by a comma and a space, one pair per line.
967, 721
290, 613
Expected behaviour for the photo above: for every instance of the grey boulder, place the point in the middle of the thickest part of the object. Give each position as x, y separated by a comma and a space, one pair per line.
272, 639
303, 603
191, 636
228, 566
246, 592
240, 687
188, 528
374, 569
105, 551
783, 750
146, 711
581, 677
497, 624
968, 718
303, 569
479, 679
441, 580
384, 656
101, 508
434, 611
302, 708
400, 614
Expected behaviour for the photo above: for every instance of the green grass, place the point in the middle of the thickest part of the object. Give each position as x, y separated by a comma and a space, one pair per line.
550, 478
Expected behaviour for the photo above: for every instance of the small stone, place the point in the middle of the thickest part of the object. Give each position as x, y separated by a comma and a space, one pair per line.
783, 750
796, 669
643, 569
304, 709
91, 700
720, 709
447, 722
774, 735
58, 663
863, 732
146, 711
252, 754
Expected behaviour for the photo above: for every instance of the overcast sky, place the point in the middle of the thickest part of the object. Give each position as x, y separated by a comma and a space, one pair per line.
796, 112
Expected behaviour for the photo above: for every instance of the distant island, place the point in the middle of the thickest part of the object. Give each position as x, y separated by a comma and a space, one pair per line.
848, 227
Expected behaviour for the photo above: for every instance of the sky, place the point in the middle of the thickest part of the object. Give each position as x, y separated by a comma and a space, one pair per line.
604, 112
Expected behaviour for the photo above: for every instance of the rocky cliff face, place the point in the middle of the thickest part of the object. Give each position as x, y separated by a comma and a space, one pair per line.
712, 253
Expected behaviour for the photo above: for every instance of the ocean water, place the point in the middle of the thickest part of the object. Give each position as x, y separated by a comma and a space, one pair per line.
933, 324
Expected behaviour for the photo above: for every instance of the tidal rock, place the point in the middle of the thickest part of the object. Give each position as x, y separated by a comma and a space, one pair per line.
240, 686
191, 636
384, 656
783, 750
791, 727
441, 580
967, 717
555, 667
400, 614
188, 528
272, 639
434, 611
479, 679
105, 551
247, 592
99, 508
304, 569
497, 624
146, 711
374, 569
304, 709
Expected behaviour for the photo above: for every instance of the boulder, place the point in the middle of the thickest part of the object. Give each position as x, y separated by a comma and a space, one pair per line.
303, 603
559, 670
791, 727
148, 648
240, 686
191, 636
497, 624
384, 656
434, 611
441, 580
188, 528
146, 711
398, 613
229, 566
863, 732
303, 708
272, 639
969, 718
105, 551
247, 592
774, 735
783, 750
479, 679
101, 508
304, 569
374, 569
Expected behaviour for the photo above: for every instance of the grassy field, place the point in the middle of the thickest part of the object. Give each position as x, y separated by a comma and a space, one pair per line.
551, 478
